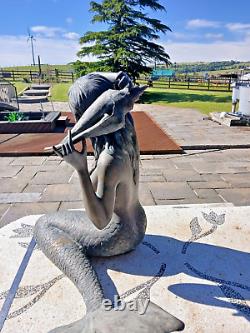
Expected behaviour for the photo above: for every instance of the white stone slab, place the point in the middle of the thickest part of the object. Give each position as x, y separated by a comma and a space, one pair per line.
206, 283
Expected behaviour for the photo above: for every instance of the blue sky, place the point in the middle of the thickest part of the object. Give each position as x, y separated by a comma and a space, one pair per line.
202, 30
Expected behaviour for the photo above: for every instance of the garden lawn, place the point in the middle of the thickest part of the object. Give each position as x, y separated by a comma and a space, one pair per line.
203, 101
59, 92
20, 86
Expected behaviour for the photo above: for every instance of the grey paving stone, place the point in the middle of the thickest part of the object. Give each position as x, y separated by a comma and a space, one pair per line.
156, 164
150, 172
65, 205
209, 184
9, 170
204, 167
3, 209
206, 193
20, 210
211, 177
148, 157
238, 196
49, 167
237, 180
52, 162
51, 177
145, 196
62, 192
181, 175
53, 158
197, 201
27, 172
6, 160
12, 185
171, 191
19, 197
152, 178
167, 202
34, 188
29, 160
183, 165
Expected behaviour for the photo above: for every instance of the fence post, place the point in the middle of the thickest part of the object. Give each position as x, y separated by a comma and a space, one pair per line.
30, 75
208, 84
229, 84
57, 75
13, 75
169, 82
72, 77
188, 82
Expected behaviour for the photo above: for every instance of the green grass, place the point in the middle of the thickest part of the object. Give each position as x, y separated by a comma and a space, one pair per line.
20, 86
35, 68
59, 92
203, 101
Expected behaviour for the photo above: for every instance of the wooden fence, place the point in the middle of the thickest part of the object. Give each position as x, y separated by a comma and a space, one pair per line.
178, 82
32, 75
192, 83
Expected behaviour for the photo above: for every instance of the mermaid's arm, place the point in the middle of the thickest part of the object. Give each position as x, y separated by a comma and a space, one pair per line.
99, 206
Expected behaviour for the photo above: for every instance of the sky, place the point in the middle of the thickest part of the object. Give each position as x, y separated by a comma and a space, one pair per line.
202, 30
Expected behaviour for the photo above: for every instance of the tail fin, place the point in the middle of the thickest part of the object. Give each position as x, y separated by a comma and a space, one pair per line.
136, 92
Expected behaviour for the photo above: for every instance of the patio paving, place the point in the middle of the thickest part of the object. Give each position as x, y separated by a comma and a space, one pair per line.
192, 130
40, 184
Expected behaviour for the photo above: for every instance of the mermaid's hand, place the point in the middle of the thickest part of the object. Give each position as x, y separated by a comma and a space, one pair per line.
70, 155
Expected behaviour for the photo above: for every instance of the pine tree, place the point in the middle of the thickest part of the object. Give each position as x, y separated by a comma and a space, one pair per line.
128, 44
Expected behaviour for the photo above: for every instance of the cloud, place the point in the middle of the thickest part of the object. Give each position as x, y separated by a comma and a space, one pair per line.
71, 36
238, 27
63, 49
200, 23
45, 31
214, 36
216, 51
17, 51
182, 36
54, 32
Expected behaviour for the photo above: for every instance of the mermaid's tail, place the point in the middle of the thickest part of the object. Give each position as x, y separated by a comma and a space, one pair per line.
154, 320
67, 254
71, 259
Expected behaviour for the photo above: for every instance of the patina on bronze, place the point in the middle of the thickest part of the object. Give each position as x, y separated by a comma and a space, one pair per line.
114, 221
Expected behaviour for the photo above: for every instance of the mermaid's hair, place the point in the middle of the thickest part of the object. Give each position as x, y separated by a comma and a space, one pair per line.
117, 142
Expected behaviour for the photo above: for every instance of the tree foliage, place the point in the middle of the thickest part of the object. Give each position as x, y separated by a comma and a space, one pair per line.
129, 42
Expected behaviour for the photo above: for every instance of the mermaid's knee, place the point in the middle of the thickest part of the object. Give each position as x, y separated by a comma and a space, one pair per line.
43, 230
40, 226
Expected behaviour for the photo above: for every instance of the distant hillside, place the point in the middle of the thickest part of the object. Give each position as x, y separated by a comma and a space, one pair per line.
210, 67
196, 68
67, 68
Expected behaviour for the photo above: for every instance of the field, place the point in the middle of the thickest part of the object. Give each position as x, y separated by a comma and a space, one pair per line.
59, 92
203, 101
35, 68
20, 86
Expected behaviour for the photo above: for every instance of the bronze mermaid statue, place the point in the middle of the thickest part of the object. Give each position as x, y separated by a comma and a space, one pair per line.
113, 222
